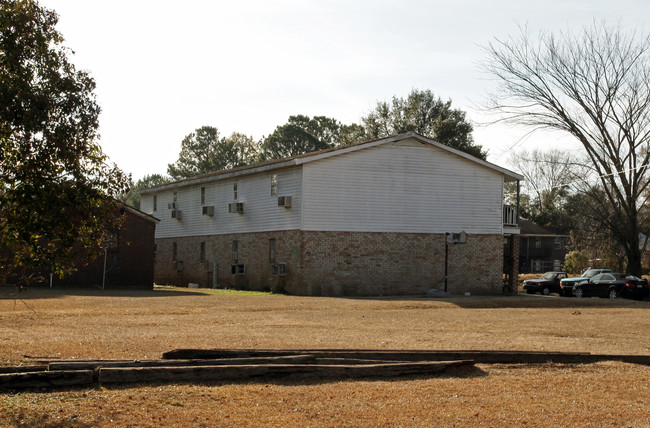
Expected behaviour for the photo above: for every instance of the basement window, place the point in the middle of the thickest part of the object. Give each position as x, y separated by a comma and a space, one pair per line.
238, 269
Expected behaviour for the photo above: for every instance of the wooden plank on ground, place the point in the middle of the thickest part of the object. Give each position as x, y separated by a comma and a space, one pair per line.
90, 364
484, 357
395, 355
45, 379
112, 375
21, 369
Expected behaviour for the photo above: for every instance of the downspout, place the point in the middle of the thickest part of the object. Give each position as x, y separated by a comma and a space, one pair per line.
104, 271
215, 274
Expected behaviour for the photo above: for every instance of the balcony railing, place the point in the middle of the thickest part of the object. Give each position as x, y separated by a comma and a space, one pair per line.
510, 215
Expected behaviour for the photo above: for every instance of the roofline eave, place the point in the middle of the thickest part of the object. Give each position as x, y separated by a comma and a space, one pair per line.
508, 175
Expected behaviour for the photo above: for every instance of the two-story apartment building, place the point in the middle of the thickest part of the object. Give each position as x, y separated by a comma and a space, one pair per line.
541, 249
399, 215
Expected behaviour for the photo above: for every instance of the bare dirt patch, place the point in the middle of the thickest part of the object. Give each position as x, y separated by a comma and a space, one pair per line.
139, 325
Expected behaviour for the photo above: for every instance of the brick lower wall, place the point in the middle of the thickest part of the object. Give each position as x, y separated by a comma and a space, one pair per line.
337, 263
253, 251
348, 263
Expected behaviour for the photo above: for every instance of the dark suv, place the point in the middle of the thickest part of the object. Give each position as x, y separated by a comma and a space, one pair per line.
545, 284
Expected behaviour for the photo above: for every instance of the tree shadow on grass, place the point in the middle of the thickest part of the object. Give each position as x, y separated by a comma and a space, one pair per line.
306, 379
30, 293
511, 301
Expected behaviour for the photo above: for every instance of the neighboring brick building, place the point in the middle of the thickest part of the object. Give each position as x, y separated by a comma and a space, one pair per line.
128, 260
367, 219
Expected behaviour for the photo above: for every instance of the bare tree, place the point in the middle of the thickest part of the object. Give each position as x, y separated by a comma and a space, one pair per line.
594, 85
549, 177
545, 172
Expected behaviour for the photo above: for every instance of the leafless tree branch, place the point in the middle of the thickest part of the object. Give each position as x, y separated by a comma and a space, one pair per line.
595, 85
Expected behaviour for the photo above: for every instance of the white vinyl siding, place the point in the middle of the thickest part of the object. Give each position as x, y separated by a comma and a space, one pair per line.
401, 187
405, 186
261, 211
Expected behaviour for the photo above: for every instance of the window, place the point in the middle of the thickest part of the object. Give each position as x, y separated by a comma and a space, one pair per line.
234, 191
202, 252
538, 242
174, 251
272, 249
155, 202
238, 269
172, 206
557, 243
202, 195
274, 185
235, 251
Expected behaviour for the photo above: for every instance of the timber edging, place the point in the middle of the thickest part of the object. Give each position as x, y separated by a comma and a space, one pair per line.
228, 365
478, 356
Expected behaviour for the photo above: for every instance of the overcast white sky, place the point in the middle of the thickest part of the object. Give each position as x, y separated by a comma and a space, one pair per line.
164, 68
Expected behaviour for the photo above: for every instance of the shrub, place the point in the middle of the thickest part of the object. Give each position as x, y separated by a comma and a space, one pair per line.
575, 261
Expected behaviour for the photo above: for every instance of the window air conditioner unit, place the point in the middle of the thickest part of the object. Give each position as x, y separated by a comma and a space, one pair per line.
177, 214
284, 201
208, 210
279, 269
236, 207
456, 238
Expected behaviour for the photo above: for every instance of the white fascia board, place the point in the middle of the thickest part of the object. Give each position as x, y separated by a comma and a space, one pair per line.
539, 235
306, 158
210, 178
348, 149
508, 175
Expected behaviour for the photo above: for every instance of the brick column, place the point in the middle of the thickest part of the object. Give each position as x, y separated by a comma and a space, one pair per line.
513, 281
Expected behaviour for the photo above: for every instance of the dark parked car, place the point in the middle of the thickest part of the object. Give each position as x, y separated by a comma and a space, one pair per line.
613, 285
545, 284
568, 283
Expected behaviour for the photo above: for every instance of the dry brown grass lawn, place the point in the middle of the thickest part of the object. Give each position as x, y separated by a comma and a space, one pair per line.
142, 325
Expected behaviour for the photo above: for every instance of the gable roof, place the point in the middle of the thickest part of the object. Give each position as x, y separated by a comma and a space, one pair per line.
528, 228
324, 154
139, 213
